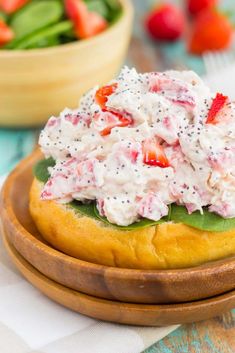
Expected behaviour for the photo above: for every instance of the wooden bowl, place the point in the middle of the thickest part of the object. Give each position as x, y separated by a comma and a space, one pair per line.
38, 83
128, 285
123, 313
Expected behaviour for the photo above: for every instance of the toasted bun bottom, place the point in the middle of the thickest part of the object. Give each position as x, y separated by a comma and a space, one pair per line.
168, 245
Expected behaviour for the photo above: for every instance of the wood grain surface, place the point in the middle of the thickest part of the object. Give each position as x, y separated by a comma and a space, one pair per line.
115, 311
211, 336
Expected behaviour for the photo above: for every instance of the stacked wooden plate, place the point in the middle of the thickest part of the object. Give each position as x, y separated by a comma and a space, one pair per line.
128, 296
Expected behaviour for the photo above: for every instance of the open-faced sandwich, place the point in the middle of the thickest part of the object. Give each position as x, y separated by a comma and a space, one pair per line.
142, 175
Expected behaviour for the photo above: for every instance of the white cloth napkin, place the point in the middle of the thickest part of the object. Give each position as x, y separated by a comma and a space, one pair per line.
32, 323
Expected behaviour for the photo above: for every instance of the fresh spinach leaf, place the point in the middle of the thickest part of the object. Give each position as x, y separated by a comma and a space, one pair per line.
86, 209
3, 16
36, 15
45, 35
115, 10
207, 221
42, 23
40, 170
114, 5
45, 43
99, 7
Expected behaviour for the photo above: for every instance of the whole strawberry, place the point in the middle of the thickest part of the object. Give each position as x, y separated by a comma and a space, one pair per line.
165, 22
211, 31
196, 6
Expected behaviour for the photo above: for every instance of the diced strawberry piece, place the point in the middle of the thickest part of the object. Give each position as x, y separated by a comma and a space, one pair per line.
152, 207
87, 24
154, 154
52, 122
75, 9
171, 89
70, 162
102, 94
100, 207
106, 121
6, 33
10, 6
217, 105
134, 154
224, 209
130, 150
46, 195
85, 174
191, 207
93, 26
75, 119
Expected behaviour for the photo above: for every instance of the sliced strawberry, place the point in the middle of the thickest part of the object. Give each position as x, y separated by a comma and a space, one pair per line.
87, 24
120, 121
6, 33
94, 25
75, 119
130, 150
106, 121
154, 154
133, 155
53, 121
100, 206
75, 9
152, 207
10, 6
217, 105
102, 94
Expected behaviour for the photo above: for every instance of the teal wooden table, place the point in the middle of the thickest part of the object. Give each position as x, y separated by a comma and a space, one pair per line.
212, 336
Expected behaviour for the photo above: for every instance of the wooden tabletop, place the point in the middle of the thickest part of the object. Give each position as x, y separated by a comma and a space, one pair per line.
212, 336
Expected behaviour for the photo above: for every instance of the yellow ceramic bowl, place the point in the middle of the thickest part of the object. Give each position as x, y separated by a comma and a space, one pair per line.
37, 83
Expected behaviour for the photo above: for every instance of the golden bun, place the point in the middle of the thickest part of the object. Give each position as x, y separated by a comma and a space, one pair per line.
168, 245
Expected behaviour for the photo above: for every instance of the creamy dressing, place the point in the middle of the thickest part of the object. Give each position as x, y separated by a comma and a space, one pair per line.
109, 166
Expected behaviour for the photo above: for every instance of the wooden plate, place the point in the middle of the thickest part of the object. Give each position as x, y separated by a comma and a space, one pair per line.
124, 313
128, 285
